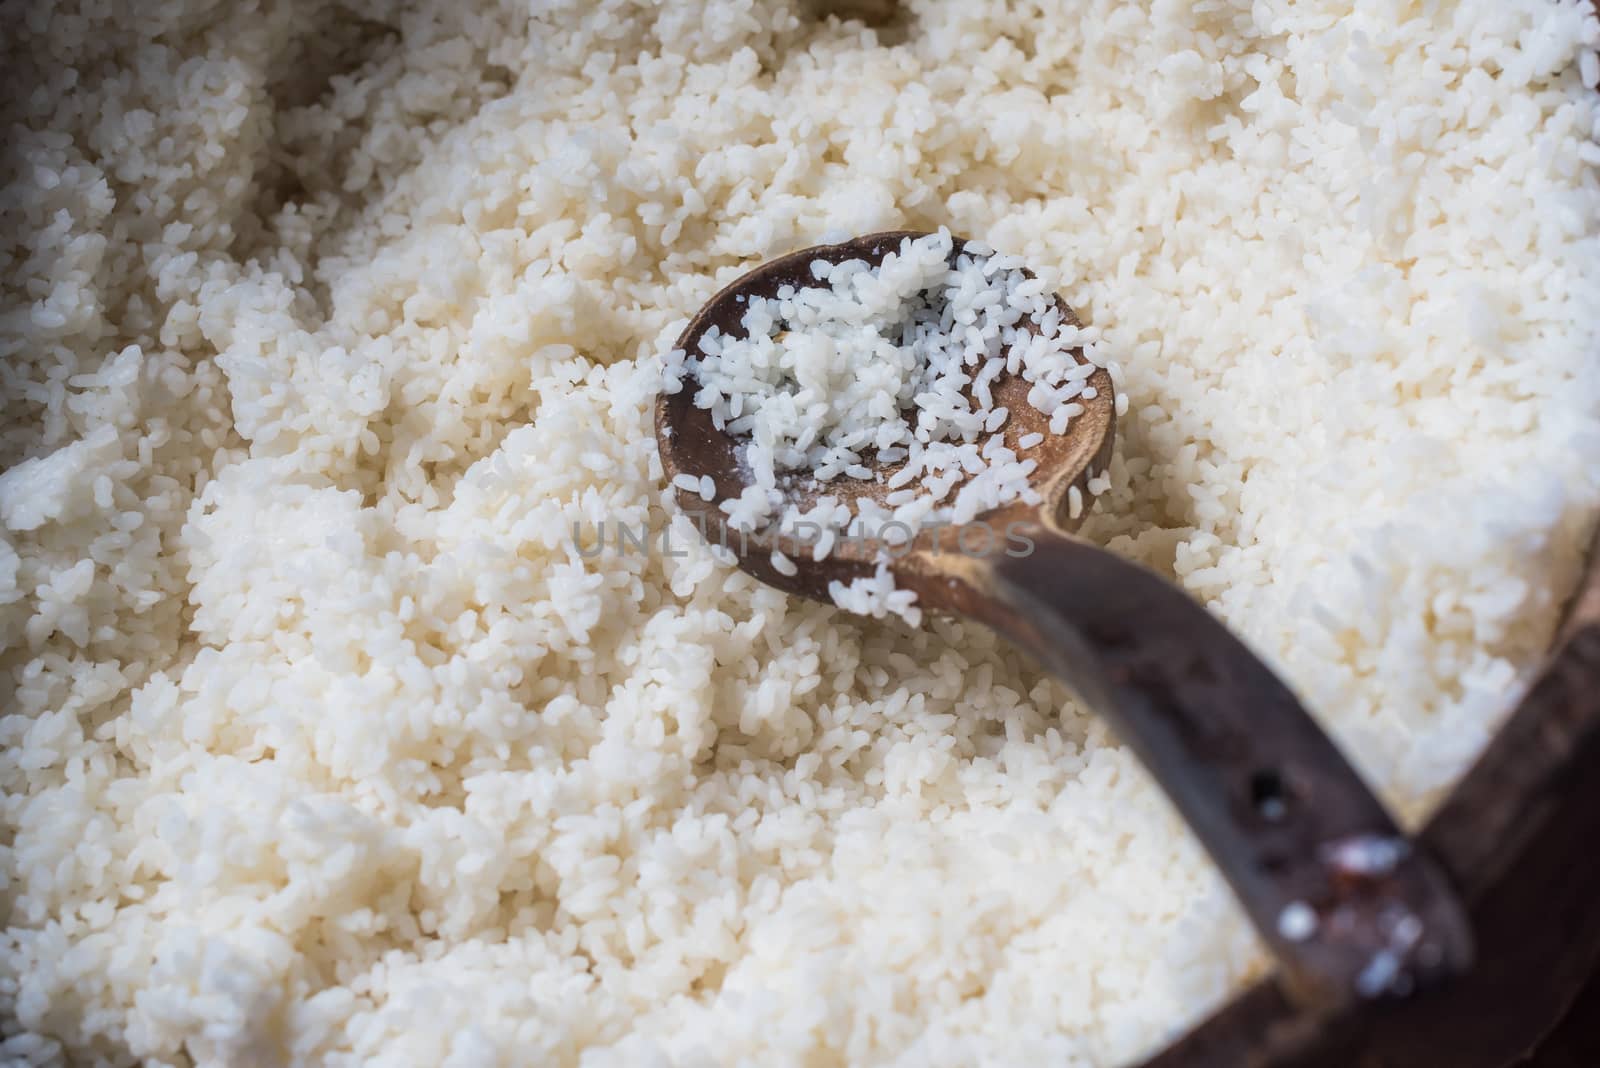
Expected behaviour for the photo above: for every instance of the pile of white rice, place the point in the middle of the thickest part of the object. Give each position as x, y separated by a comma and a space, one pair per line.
884, 374
325, 326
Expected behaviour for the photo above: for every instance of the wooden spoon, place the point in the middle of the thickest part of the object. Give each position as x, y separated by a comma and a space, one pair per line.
1348, 906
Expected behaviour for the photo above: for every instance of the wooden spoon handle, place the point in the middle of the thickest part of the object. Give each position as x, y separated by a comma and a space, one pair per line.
1349, 906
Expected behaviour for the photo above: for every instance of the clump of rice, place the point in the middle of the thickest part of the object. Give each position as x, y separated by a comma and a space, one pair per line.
884, 373
323, 740
891, 364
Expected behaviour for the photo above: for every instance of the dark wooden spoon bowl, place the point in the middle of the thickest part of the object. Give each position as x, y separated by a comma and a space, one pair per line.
1287, 819
691, 444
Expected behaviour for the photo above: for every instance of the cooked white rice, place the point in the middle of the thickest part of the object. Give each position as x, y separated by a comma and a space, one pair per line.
882, 373
324, 741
